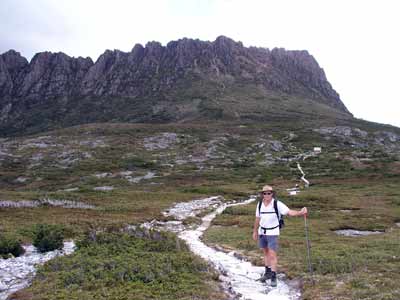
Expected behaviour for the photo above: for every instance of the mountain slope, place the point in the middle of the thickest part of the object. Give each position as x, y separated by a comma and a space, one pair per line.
184, 81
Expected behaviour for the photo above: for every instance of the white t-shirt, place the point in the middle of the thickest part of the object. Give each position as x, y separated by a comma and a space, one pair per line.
268, 217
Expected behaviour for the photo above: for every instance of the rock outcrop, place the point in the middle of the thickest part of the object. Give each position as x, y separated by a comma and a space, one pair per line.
153, 71
12, 65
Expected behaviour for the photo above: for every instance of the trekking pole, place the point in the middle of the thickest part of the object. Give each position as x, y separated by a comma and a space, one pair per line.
308, 249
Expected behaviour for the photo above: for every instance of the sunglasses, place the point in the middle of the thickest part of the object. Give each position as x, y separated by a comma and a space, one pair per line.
267, 193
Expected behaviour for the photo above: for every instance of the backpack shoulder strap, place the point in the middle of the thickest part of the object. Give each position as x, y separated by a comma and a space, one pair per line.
259, 207
276, 208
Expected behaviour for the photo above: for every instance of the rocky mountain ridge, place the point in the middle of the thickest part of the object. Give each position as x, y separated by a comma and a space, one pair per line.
154, 72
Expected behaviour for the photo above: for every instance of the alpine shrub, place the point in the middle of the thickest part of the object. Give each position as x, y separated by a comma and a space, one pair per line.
48, 237
10, 245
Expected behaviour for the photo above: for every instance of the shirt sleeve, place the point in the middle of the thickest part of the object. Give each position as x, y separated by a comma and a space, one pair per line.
257, 212
282, 208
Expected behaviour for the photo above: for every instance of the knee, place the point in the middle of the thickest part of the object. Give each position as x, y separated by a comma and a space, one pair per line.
272, 255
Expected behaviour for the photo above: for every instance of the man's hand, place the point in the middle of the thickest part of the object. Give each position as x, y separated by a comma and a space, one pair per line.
303, 211
296, 213
255, 235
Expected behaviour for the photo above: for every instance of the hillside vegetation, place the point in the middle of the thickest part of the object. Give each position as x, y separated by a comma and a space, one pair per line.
119, 174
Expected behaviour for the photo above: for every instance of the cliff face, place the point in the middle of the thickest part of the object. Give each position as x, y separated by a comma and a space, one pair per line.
48, 75
153, 71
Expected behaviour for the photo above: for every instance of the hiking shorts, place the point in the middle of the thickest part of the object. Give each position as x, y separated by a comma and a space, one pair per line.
268, 241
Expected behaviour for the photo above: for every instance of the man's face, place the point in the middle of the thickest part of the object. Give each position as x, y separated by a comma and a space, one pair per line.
267, 195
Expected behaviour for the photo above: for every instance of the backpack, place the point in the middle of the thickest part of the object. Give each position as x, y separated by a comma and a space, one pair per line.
278, 215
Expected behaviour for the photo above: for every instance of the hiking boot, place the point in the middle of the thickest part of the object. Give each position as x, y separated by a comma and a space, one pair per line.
274, 282
266, 276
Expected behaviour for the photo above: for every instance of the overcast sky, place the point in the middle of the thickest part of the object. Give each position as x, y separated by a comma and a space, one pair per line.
356, 42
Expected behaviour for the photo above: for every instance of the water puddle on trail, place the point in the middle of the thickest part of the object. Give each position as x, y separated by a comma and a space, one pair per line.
354, 233
237, 276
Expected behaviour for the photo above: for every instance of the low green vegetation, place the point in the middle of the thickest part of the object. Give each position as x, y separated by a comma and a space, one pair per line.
10, 246
48, 237
135, 265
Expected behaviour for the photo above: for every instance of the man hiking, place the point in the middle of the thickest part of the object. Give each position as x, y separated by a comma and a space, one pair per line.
266, 229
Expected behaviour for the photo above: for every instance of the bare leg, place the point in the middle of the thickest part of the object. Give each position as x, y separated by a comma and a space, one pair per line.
272, 258
267, 262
